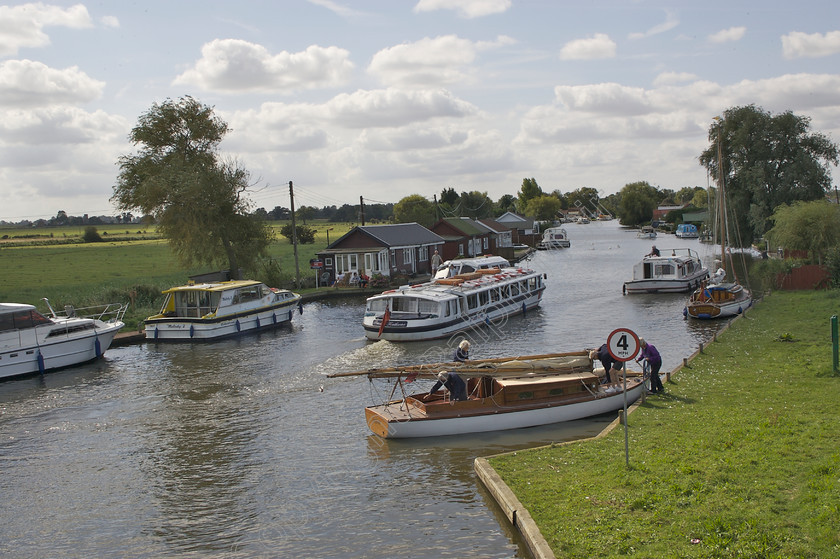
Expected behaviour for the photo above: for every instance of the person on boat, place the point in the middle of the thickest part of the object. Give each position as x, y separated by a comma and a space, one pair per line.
650, 353
452, 382
653, 251
462, 352
436, 262
602, 354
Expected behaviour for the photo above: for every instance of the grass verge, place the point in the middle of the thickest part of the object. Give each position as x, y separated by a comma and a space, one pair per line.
739, 458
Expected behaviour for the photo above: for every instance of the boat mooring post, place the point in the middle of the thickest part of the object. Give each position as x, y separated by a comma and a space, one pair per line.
834, 343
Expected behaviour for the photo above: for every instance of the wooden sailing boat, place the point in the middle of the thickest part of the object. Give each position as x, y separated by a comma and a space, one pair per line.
718, 298
502, 393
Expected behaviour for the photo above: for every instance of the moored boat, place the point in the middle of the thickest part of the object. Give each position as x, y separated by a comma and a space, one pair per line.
502, 393
208, 311
554, 237
718, 299
31, 342
687, 231
646, 232
677, 272
465, 293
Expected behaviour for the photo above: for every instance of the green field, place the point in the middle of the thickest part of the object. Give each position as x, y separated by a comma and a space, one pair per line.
87, 274
739, 457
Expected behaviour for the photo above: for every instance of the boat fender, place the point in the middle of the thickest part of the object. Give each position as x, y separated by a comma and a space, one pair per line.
41, 366
258, 322
300, 307
192, 330
290, 315
97, 347
624, 289
238, 326
685, 312
524, 308
156, 332
274, 318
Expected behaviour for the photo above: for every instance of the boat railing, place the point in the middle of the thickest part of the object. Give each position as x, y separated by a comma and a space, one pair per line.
110, 312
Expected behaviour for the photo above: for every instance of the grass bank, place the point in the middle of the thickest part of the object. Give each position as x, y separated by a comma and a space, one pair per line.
739, 458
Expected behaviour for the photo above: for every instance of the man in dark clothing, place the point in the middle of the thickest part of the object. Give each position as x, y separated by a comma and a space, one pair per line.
462, 353
654, 251
602, 354
655, 361
452, 382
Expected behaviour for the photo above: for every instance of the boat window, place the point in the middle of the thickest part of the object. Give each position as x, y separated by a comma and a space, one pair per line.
377, 304
24, 319
483, 298
525, 395
6, 322
533, 284
514, 289
427, 307
472, 301
404, 304
495, 295
555, 392
664, 270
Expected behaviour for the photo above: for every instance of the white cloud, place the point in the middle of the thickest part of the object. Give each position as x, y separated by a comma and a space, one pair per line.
392, 107
668, 78
22, 26
801, 45
466, 8
110, 21
597, 46
233, 65
670, 22
429, 62
728, 35
25, 83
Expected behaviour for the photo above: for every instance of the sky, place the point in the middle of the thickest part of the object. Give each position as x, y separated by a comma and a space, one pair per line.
381, 99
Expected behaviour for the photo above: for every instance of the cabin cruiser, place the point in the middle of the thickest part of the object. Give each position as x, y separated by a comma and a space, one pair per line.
31, 342
554, 237
208, 311
465, 293
677, 272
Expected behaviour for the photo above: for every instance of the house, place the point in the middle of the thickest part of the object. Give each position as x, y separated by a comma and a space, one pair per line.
402, 248
522, 228
662, 211
464, 237
502, 237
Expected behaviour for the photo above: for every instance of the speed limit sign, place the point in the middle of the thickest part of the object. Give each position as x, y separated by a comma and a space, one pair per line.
623, 344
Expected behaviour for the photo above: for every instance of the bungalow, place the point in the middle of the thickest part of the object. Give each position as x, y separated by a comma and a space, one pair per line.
464, 237
522, 228
402, 248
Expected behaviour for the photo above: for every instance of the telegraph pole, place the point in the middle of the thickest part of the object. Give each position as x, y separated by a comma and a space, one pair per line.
294, 234
362, 208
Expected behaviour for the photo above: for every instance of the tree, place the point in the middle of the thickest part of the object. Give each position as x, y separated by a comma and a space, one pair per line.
305, 235
767, 161
507, 203
584, 198
476, 205
530, 189
638, 200
543, 208
414, 208
811, 226
195, 198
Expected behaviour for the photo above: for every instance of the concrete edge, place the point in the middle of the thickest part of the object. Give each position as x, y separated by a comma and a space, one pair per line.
514, 511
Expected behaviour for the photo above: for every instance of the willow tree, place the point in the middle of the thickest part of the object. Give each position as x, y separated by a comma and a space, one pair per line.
197, 199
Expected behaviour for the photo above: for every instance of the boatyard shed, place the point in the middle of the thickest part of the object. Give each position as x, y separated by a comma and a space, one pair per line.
402, 248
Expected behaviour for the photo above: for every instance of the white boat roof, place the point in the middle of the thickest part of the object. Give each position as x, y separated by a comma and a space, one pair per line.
15, 307
677, 254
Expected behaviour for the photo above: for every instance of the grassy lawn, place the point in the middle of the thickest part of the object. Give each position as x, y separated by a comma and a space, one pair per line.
739, 458
88, 274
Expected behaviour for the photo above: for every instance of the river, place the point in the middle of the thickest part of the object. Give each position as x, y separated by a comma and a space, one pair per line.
243, 448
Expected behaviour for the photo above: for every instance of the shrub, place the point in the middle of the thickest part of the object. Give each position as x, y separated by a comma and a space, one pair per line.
91, 235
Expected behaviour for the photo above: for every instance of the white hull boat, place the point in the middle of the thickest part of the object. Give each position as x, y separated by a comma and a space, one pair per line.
465, 294
503, 393
553, 238
210, 311
718, 299
678, 272
34, 343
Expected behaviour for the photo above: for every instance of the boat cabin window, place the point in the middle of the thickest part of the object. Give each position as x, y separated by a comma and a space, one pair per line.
245, 294
472, 301
483, 297
193, 304
533, 284
495, 295
514, 289
22, 319
406, 305
377, 305
658, 270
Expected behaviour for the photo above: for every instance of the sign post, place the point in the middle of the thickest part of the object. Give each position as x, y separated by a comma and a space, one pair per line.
623, 345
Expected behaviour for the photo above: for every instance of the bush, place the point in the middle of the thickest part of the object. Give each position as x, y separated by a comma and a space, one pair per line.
305, 235
91, 235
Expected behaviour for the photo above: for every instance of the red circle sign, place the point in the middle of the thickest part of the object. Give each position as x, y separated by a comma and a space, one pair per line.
623, 344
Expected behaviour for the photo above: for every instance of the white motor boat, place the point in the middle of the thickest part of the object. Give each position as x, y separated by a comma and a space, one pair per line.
464, 294
677, 272
33, 343
209, 311
554, 237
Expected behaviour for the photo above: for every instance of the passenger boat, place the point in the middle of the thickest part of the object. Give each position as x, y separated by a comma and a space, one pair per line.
646, 232
687, 231
33, 343
502, 393
554, 237
678, 272
465, 293
208, 311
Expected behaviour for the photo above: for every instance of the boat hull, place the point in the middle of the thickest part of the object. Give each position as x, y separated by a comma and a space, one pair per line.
199, 329
499, 418
20, 356
664, 286
707, 310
